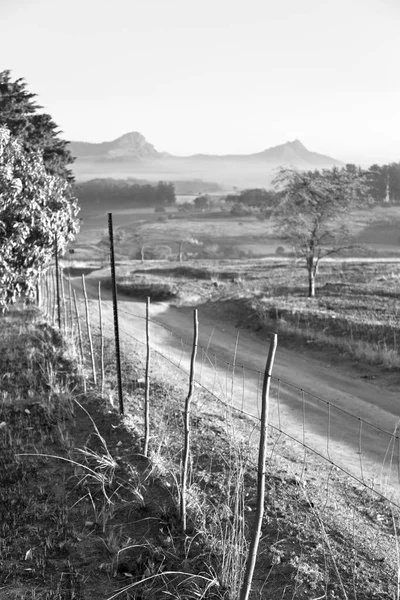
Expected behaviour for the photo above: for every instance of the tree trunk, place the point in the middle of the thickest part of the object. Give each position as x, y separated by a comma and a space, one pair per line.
311, 283
180, 253
142, 253
312, 267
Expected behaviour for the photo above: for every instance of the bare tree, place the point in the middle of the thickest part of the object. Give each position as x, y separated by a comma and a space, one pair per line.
312, 210
140, 240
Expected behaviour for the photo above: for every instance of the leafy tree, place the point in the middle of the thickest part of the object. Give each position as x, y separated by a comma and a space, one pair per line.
164, 194
377, 181
34, 208
384, 182
202, 202
393, 170
36, 131
310, 215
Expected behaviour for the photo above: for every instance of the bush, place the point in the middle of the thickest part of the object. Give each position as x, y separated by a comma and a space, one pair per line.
160, 209
162, 219
240, 211
158, 253
280, 251
34, 208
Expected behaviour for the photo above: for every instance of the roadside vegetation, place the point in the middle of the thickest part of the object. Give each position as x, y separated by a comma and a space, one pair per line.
86, 516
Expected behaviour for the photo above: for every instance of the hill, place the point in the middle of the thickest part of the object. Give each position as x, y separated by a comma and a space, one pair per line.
132, 155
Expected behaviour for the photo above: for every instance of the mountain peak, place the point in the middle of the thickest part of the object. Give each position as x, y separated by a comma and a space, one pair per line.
296, 145
132, 137
131, 145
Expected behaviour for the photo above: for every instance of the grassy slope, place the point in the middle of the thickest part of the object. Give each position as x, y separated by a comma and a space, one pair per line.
68, 533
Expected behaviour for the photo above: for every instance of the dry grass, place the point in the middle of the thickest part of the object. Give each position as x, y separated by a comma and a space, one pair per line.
99, 521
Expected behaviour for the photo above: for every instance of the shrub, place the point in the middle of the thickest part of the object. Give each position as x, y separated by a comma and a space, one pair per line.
34, 208
280, 251
158, 253
160, 209
240, 210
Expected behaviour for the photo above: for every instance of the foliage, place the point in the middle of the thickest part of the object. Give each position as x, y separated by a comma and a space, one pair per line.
254, 198
34, 208
124, 194
202, 202
36, 131
310, 215
384, 182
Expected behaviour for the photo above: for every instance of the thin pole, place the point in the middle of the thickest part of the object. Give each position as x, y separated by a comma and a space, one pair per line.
57, 283
46, 292
101, 343
78, 322
147, 385
252, 556
89, 330
186, 448
53, 297
71, 321
39, 291
63, 300
115, 311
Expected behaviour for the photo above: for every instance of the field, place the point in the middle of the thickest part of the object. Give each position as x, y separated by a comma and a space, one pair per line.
220, 235
235, 261
355, 312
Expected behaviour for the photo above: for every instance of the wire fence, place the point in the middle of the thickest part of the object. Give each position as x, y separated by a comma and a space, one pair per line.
366, 450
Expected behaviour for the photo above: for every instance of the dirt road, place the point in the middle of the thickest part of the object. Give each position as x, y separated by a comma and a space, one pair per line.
310, 398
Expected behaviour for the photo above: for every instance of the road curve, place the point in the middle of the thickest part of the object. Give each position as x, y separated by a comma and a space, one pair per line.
346, 419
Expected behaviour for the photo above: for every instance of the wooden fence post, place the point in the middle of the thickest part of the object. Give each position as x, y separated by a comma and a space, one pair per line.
71, 320
101, 343
115, 313
252, 556
53, 296
63, 300
78, 322
57, 283
89, 331
147, 384
186, 448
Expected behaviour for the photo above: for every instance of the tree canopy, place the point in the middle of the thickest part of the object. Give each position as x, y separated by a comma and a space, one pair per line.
123, 194
36, 131
310, 214
34, 208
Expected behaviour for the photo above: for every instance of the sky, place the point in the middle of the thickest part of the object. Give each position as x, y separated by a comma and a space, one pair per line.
214, 76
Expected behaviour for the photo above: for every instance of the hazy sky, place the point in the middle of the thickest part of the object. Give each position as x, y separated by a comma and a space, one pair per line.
214, 76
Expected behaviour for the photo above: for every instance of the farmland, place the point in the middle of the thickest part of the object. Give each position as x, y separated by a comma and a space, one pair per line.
235, 264
222, 235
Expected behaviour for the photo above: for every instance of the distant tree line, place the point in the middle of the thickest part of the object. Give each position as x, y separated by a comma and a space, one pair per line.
254, 198
120, 194
384, 183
